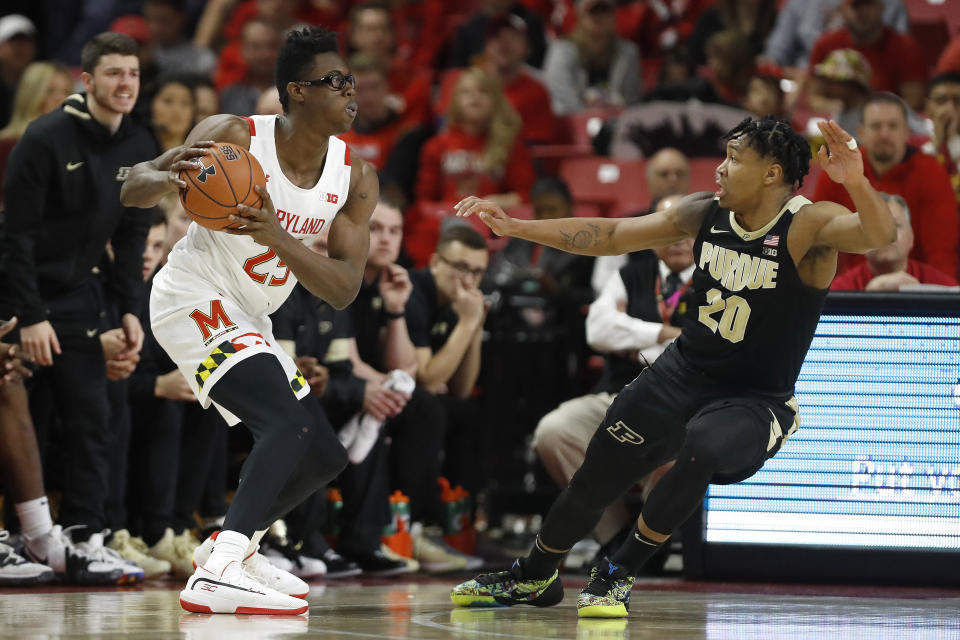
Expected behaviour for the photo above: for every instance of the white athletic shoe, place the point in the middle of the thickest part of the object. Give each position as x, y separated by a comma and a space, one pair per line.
177, 550
300, 566
96, 550
236, 591
259, 567
15, 570
134, 549
70, 563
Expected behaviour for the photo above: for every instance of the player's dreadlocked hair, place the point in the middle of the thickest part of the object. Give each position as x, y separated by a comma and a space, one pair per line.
775, 138
296, 57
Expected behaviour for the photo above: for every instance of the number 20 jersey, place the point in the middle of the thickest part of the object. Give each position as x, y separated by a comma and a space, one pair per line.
754, 318
249, 273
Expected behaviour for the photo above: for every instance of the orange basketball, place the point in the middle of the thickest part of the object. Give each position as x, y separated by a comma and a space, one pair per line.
224, 180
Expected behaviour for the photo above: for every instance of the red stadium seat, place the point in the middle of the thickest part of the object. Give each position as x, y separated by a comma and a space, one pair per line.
607, 183
932, 36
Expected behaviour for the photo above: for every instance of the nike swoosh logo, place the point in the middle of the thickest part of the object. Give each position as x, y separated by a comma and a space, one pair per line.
74, 165
715, 230
639, 539
91, 333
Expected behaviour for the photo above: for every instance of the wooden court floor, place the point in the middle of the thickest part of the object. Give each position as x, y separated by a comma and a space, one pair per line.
669, 609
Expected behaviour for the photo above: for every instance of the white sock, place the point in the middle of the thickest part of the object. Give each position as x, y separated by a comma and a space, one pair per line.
228, 547
255, 542
35, 519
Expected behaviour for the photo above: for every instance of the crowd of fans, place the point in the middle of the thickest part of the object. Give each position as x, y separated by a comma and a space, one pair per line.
462, 351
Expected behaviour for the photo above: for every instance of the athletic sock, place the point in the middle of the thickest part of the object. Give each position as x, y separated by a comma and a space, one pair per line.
35, 519
540, 563
255, 542
230, 546
635, 551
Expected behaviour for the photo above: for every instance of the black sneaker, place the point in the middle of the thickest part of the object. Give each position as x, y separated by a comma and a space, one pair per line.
376, 563
507, 588
338, 566
607, 595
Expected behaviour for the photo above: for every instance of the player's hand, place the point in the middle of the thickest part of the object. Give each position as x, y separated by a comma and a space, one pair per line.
132, 334
843, 164
468, 304
173, 386
260, 224
382, 403
488, 212
186, 160
39, 342
122, 369
11, 357
946, 127
395, 288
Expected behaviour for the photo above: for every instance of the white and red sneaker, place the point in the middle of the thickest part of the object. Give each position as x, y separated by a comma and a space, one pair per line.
234, 591
259, 567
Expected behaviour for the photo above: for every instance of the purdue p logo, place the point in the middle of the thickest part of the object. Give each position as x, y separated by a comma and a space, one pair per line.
622, 433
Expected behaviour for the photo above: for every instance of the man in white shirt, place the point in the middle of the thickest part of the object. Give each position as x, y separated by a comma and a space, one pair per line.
640, 311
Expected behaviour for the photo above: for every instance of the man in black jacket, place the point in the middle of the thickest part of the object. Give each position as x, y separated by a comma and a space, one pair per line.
63, 206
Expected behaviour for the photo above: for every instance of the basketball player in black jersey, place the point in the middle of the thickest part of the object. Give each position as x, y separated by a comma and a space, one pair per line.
720, 399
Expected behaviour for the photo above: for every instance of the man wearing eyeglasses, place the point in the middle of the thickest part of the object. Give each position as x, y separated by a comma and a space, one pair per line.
210, 305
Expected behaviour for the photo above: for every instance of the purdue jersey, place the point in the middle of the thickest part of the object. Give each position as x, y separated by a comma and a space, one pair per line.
249, 273
754, 318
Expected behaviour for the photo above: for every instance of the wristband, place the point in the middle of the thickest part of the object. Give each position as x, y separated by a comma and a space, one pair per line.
391, 315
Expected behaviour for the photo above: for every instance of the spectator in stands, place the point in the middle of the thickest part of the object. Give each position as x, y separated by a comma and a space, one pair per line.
260, 44
268, 104
950, 58
205, 98
943, 108
62, 186
170, 51
659, 28
896, 61
841, 85
43, 88
480, 151
18, 47
889, 268
172, 112
505, 53
668, 171
800, 24
764, 94
593, 66
471, 36
640, 311
895, 167
371, 32
378, 124
751, 19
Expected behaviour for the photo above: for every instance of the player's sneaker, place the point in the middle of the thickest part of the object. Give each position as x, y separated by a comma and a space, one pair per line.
507, 588
134, 549
259, 568
338, 566
15, 570
235, 591
286, 558
69, 563
412, 564
607, 595
95, 549
177, 550
377, 564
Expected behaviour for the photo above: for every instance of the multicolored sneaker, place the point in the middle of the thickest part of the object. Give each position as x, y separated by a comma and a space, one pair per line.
507, 588
607, 595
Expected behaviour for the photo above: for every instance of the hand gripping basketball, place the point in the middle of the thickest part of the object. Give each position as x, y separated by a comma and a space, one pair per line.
260, 224
186, 160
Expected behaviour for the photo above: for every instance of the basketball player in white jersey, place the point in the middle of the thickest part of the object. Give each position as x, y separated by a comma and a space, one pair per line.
210, 304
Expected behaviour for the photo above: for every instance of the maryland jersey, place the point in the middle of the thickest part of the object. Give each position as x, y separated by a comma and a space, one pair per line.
249, 273
754, 318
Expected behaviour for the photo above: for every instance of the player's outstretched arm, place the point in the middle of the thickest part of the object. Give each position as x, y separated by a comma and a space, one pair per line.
872, 225
597, 236
149, 181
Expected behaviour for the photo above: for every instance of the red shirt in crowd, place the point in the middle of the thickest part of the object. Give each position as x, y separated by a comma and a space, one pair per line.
451, 169
950, 58
526, 94
894, 59
857, 278
376, 144
925, 186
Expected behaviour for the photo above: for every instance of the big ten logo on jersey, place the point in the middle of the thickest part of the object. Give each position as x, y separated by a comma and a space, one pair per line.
736, 271
216, 321
332, 198
624, 434
295, 225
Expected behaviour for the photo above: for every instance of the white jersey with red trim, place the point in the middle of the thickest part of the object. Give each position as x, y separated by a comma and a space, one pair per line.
249, 273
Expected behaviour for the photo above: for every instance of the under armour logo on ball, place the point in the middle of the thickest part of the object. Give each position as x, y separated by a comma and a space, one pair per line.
207, 171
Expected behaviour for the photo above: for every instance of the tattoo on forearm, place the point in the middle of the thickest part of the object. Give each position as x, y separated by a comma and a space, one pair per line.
582, 239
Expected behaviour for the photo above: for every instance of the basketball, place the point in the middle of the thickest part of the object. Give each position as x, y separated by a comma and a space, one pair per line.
223, 181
